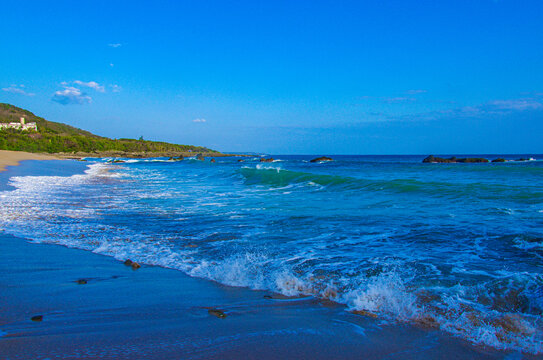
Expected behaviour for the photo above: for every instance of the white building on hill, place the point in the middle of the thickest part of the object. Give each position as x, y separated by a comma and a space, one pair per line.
21, 125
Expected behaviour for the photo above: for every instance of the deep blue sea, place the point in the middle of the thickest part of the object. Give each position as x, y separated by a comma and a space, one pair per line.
452, 246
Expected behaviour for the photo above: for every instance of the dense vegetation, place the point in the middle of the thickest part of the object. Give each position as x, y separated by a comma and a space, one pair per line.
53, 137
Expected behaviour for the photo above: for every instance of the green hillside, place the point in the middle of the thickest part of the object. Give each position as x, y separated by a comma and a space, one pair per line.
57, 138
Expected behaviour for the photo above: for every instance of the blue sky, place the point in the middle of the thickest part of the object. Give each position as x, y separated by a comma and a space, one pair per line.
303, 77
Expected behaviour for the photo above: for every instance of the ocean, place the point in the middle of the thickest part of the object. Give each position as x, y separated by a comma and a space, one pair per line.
456, 247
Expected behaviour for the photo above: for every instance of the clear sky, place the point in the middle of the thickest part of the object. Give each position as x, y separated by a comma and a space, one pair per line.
298, 77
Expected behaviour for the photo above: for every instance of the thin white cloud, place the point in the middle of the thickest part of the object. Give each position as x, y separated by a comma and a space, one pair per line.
489, 109
115, 45
116, 88
17, 89
399, 99
199, 120
416, 91
91, 84
71, 95
516, 104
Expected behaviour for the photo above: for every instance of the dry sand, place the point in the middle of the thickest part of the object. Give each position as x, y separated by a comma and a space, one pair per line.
12, 158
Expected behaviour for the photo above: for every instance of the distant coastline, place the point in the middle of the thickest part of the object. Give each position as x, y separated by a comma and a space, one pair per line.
48, 137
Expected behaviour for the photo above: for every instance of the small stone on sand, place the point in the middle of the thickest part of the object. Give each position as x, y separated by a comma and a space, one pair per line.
218, 313
364, 313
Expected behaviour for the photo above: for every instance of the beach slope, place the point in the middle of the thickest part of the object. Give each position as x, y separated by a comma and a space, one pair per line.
12, 158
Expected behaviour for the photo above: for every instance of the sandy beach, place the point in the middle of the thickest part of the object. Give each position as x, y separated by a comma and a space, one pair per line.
12, 158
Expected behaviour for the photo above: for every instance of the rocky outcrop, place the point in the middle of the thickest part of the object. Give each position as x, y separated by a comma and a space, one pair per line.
212, 160
453, 160
498, 160
200, 157
81, 282
322, 158
173, 158
269, 160
37, 318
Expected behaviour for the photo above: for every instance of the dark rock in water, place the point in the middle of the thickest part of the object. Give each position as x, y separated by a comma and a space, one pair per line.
212, 160
268, 297
180, 158
241, 160
37, 318
435, 159
266, 160
128, 262
118, 161
498, 160
81, 281
135, 266
200, 157
218, 313
322, 158
472, 160
453, 160
522, 159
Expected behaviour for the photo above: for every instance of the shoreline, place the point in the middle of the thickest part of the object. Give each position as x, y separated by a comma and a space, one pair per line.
12, 158
155, 313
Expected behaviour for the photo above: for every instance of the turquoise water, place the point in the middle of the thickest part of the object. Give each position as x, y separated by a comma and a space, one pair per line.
453, 246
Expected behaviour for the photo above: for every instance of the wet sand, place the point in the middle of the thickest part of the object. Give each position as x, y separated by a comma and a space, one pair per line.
12, 158
157, 313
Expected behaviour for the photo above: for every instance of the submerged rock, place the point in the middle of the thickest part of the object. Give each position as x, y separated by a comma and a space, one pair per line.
218, 313
180, 158
322, 158
135, 266
200, 157
81, 282
212, 160
266, 160
498, 160
241, 160
37, 318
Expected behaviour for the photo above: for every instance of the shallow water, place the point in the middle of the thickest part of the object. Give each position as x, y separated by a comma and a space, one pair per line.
453, 246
